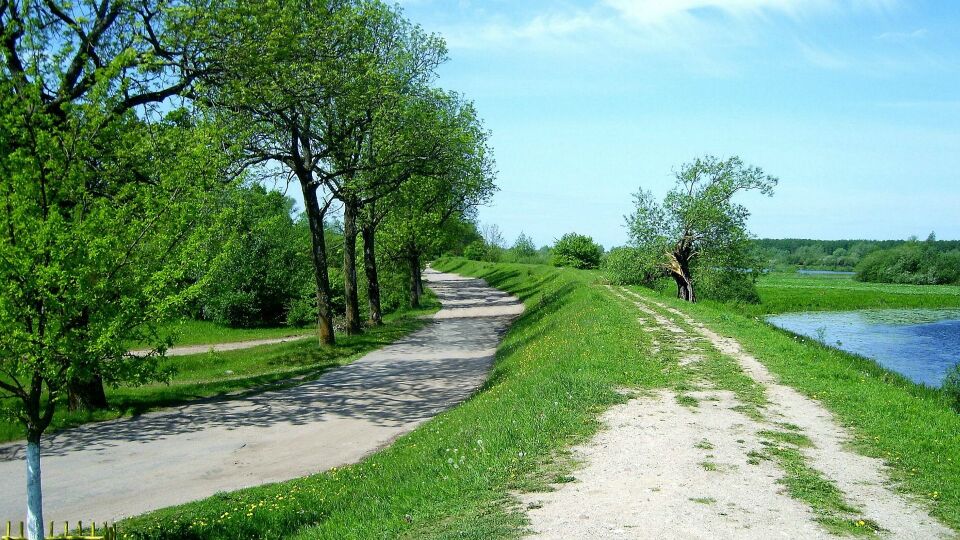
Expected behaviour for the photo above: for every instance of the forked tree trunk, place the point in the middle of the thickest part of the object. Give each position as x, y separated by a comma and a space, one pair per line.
87, 395
684, 287
370, 268
319, 255
680, 269
34, 493
350, 267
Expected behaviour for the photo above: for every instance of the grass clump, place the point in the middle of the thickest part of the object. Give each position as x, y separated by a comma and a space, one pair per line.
558, 368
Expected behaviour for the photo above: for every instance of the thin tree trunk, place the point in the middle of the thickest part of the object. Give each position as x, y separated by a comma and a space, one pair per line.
416, 288
370, 268
350, 296
87, 395
34, 492
315, 217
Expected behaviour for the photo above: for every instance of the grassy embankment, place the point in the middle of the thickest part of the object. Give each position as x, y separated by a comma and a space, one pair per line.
910, 426
217, 374
558, 368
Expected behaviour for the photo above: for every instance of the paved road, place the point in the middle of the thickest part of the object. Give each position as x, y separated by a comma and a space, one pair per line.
114, 469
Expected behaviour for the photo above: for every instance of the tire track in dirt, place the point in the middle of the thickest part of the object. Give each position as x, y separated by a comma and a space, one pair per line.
664, 470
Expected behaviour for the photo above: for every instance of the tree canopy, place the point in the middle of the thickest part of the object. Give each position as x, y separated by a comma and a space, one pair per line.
699, 228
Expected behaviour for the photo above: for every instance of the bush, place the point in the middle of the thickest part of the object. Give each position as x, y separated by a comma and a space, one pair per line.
917, 263
631, 266
951, 387
302, 311
263, 257
727, 286
577, 251
475, 250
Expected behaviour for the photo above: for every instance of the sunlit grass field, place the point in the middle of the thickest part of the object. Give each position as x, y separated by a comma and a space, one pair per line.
783, 292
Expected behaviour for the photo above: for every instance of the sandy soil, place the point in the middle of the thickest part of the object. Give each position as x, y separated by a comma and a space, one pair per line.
109, 470
662, 470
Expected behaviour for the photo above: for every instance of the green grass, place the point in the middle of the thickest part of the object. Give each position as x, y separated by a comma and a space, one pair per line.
809, 485
558, 368
219, 374
190, 332
780, 293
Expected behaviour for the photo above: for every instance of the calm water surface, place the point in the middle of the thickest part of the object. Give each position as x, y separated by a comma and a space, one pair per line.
917, 343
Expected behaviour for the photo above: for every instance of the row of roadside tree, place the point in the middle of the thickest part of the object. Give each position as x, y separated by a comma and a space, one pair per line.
131, 136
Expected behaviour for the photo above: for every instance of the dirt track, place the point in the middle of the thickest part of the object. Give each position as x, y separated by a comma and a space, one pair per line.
664, 470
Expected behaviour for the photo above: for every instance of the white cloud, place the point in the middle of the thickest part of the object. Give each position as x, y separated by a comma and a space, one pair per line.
823, 58
903, 37
697, 33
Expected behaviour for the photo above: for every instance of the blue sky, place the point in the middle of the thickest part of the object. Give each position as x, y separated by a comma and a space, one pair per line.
853, 104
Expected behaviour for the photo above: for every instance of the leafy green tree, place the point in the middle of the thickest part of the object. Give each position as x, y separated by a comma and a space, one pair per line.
698, 226
98, 215
523, 247
263, 259
577, 251
378, 133
426, 209
279, 66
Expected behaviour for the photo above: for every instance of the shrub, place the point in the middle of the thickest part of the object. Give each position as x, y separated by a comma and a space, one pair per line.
577, 251
631, 266
916, 263
302, 311
727, 286
475, 250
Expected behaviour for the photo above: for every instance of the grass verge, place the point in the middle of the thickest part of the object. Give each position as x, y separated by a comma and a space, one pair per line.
559, 366
219, 374
190, 332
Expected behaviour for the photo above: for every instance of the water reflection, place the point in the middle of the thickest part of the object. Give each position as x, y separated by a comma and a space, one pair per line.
921, 344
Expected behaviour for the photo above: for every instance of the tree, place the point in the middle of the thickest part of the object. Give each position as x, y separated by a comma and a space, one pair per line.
262, 260
278, 65
698, 223
429, 206
376, 134
577, 250
96, 215
523, 247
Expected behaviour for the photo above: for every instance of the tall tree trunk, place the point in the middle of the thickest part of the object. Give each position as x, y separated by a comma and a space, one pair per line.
87, 395
350, 296
416, 287
370, 268
34, 492
315, 217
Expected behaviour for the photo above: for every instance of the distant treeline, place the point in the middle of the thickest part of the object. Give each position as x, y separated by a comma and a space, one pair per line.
930, 261
832, 254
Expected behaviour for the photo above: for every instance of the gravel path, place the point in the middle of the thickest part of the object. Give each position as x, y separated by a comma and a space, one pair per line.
110, 470
185, 350
663, 470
